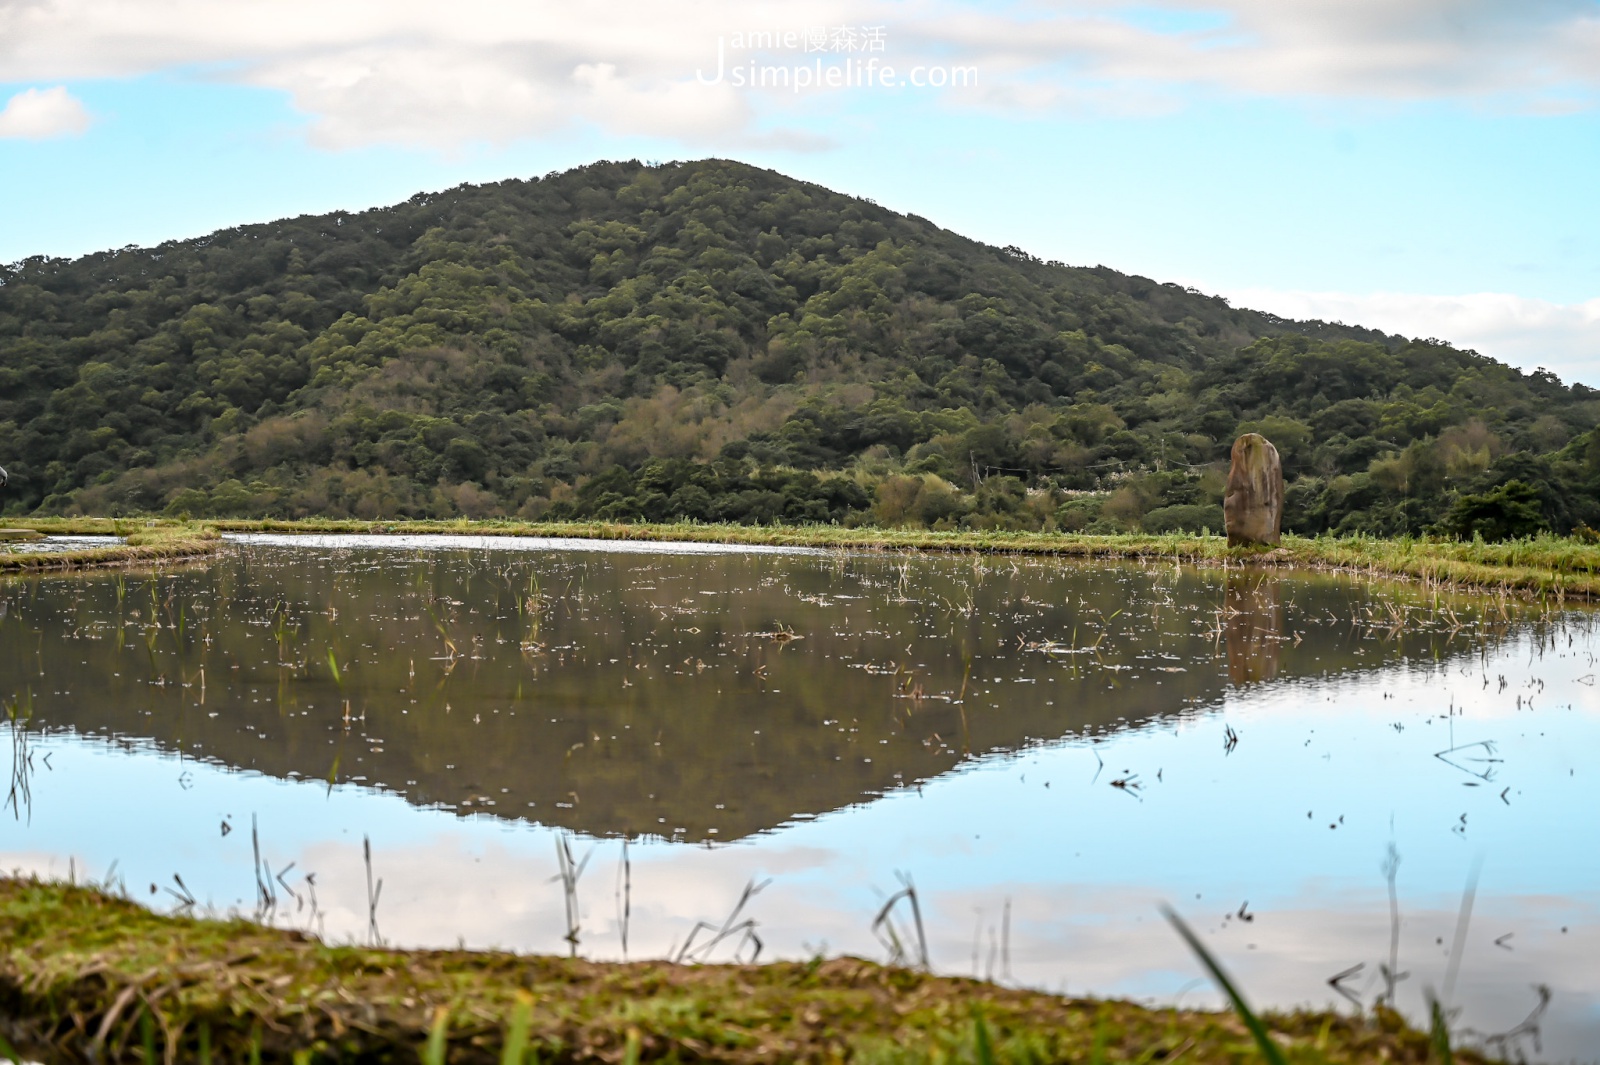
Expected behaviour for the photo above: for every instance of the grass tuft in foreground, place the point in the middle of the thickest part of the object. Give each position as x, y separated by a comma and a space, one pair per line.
89, 976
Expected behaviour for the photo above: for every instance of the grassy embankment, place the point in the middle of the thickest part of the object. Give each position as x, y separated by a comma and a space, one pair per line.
86, 975
1551, 566
145, 543
1546, 566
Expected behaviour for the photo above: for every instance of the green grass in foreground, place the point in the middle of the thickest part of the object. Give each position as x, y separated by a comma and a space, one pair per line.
89, 976
1553, 567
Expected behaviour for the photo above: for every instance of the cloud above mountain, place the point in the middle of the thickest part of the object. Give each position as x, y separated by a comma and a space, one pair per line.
407, 72
41, 114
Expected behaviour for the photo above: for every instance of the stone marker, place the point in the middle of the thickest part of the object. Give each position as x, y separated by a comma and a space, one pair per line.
1252, 511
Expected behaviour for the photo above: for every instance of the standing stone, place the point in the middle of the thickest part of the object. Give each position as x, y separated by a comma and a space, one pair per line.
1252, 511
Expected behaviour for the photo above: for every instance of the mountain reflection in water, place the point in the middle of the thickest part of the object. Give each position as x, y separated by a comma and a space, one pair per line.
693, 697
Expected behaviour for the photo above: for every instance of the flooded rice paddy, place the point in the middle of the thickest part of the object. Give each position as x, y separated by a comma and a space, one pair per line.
549, 744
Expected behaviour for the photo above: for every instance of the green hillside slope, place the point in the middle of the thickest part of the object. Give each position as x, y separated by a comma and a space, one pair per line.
713, 341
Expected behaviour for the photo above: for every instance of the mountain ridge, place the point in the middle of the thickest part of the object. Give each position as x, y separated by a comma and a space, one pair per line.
716, 341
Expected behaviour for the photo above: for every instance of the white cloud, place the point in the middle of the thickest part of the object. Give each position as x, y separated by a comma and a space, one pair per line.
403, 71
1543, 55
39, 114
1391, 48
407, 71
1527, 333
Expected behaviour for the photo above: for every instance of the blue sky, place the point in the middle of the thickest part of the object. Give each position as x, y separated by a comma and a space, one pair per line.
1424, 166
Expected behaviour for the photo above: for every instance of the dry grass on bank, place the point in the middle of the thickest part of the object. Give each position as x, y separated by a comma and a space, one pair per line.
144, 543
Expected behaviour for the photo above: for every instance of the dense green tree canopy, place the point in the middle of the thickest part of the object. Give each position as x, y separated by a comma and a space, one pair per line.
714, 341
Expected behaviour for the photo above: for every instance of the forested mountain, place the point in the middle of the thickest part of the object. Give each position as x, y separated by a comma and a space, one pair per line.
714, 341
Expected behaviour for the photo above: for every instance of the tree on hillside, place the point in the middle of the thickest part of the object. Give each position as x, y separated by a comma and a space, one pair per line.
714, 341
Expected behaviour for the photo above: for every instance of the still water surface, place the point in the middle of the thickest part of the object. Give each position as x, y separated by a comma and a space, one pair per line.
1047, 749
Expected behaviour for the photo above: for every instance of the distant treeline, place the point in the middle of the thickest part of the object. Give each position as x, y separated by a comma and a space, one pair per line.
718, 342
